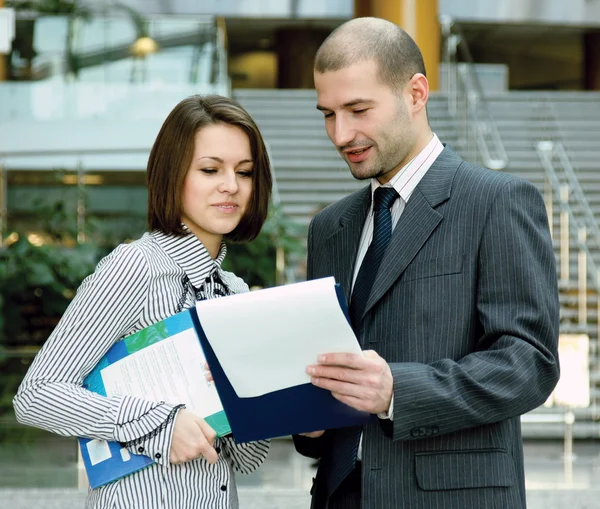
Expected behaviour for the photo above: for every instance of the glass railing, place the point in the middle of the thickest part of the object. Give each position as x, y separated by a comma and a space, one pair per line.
122, 48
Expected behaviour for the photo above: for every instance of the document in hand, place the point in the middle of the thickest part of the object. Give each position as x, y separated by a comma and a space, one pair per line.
258, 346
163, 362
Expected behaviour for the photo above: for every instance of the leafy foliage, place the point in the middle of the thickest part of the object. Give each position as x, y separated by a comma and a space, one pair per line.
255, 262
38, 282
49, 6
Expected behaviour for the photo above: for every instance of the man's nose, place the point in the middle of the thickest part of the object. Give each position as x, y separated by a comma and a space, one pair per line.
344, 133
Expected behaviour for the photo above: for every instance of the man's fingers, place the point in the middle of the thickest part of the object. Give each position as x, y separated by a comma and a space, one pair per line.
342, 388
336, 373
371, 354
357, 403
350, 360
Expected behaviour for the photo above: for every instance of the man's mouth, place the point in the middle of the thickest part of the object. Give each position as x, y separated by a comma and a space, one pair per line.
356, 156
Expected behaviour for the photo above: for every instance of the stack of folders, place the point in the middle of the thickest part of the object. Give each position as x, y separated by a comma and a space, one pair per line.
257, 345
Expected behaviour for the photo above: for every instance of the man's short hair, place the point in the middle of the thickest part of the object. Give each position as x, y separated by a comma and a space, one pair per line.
397, 55
172, 154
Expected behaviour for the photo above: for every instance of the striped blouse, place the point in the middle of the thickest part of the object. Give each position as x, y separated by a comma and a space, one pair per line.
133, 287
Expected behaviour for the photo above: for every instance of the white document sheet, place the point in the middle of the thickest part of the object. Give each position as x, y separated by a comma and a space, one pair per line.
265, 339
171, 370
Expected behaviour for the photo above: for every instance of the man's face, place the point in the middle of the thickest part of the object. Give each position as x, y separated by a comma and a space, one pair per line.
370, 125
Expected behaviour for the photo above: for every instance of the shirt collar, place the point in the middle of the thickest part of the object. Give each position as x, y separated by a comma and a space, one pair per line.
190, 254
409, 176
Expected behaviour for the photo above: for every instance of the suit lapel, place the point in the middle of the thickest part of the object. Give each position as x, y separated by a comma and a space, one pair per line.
346, 239
417, 223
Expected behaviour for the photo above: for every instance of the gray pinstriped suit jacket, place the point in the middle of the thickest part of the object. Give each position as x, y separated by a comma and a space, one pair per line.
465, 311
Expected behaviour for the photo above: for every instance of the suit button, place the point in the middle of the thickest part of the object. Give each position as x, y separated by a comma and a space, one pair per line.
414, 432
435, 430
422, 432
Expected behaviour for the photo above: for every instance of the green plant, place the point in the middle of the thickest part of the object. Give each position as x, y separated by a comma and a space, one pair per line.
255, 262
38, 281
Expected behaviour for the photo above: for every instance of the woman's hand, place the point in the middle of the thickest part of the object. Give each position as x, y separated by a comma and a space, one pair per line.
192, 438
207, 373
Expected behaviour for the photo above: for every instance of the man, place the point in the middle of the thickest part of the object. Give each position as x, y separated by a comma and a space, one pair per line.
450, 275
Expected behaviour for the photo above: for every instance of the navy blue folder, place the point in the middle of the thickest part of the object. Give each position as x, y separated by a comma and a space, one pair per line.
294, 410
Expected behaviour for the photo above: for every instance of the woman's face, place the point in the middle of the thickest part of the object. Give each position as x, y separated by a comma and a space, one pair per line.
218, 184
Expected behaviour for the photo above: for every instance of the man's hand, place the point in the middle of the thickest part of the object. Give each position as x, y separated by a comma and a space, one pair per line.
192, 438
363, 382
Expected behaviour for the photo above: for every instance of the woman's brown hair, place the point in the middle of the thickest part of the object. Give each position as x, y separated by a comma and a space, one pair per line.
171, 157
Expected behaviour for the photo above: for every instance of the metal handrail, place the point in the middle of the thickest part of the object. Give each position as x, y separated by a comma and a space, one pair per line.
463, 86
220, 54
546, 151
208, 30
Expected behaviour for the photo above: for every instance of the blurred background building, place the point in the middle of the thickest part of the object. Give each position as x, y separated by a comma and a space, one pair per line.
85, 86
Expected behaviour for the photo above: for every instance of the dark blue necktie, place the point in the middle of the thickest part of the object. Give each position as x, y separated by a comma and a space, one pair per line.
345, 441
383, 199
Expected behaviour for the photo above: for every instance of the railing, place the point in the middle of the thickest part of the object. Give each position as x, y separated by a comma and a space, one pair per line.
221, 73
79, 169
565, 186
466, 100
119, 45
577, 224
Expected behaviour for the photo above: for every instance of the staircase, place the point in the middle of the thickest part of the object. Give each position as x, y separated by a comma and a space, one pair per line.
572, 118
310, 174
308, 169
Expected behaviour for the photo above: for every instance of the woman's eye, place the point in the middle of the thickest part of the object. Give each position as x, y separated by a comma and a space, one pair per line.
208, 171
245, 173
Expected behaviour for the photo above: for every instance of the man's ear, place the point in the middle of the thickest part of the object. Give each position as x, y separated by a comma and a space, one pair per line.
418, 89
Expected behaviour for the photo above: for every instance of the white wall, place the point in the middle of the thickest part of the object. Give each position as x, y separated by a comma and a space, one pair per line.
560, 12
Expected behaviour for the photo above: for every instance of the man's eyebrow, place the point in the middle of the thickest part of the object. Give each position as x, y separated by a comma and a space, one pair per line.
349, 104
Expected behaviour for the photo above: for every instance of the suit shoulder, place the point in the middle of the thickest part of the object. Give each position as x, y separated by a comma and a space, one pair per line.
477, 181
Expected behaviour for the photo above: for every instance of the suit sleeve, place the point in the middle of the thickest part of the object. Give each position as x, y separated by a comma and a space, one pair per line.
514, 364
310, 447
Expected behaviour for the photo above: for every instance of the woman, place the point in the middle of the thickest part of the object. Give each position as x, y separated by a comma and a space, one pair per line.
209, 179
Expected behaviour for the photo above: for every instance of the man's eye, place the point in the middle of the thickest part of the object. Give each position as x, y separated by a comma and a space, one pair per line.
358, 112
328, 115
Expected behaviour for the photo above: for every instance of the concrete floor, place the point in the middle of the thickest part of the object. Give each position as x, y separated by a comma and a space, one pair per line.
284, 480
